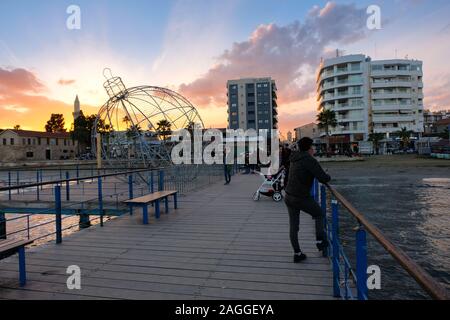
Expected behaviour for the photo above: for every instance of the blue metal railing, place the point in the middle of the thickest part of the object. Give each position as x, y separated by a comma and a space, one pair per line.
141, 181
349, 282
345, 279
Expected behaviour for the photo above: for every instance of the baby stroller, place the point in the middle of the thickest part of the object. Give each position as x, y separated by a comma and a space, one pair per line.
272, 186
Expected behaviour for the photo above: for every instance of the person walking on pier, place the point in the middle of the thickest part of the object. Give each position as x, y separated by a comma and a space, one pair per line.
227, 166
304, 168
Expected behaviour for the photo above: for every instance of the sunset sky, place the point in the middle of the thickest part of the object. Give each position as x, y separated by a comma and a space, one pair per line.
194, 46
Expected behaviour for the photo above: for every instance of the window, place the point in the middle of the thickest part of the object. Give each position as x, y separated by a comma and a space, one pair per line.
30, 154
377, 67
23, 141
56, 141
39, 141
4, 142
12, 141
29, 141
48, 141
65, 142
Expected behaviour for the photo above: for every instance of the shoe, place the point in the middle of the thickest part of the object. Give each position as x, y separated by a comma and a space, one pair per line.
323, 246
299, 257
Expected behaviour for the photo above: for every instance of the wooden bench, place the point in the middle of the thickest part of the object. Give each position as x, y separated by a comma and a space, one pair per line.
144, 201
10, 247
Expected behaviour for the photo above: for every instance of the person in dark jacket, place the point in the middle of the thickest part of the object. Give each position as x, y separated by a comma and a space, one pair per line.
304, 168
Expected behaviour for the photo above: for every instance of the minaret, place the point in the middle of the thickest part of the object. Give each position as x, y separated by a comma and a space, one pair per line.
76, 108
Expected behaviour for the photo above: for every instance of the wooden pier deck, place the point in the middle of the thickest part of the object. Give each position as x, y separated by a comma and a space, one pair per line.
219, 244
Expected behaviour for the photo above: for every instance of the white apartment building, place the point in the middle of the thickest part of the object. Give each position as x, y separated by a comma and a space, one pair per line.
371, 96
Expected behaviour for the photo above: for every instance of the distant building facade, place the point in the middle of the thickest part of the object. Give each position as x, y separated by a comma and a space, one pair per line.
371, 96
252, 104
24, 145
430, 119
310, 130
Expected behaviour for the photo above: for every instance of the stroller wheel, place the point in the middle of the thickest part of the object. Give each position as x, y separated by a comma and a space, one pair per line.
256, 196
277, 197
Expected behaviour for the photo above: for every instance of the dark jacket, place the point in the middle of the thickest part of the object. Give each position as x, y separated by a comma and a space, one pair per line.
303, 169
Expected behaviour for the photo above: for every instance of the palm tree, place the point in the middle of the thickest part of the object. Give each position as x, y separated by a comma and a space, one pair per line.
127, 120
164, 128
17, 127
405, 136
376, 138
326, 120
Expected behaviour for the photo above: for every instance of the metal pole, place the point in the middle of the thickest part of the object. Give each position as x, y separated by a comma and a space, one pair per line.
9, 185
37, 188
161, 180
100, 200
130, 190
67, 186
78, 173
323, 204
58, 214
361, 263
336, 258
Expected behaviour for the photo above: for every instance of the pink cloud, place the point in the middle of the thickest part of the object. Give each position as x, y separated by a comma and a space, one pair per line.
289, 54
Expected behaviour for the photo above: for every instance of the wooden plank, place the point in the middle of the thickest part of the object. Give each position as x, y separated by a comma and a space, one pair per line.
151, 197
9, 245
219, 245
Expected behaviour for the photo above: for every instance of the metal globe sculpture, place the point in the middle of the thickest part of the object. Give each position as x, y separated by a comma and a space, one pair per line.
135, 125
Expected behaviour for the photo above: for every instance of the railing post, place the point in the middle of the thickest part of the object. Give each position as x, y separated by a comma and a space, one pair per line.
100, 200
161, 180
336, 257
2, 225
316, 190
17, 181
9, 185
37, 188
323, 204
361, 264
67, 186
78, 173
130, 190
58, 214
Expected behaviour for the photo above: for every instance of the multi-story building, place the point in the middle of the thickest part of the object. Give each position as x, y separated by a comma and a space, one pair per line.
430, 118
371, 96
397, 96
343, 86
252, 104
24, 145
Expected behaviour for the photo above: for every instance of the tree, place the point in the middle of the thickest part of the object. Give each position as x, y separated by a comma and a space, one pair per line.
127, 120
83, 127
56, 123
376, 138
17, 127
326, 120
405, 136
445, 134
164, 128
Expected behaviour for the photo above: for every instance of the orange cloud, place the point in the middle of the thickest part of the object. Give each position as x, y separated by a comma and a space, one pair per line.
64, 82
22, 101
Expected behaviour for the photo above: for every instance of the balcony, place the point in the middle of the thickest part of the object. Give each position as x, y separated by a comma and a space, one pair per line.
393, 95
393, 118
391, 84
392, 107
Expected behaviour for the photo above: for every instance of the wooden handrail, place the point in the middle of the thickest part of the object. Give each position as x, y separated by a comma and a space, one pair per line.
423, 278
